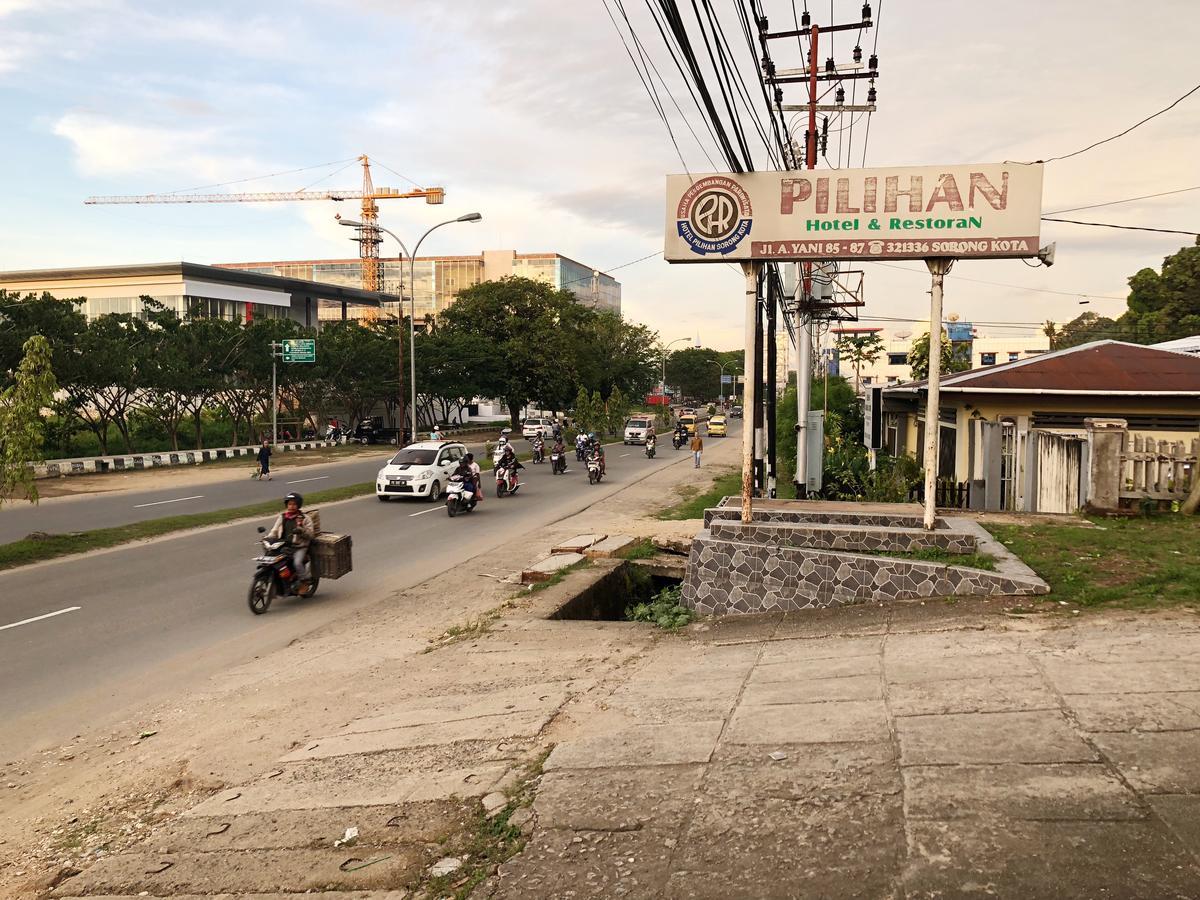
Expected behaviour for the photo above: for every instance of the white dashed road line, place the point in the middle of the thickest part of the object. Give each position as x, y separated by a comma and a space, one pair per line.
39, 618
161, 502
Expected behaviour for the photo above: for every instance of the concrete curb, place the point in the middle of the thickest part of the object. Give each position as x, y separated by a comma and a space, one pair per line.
90, 465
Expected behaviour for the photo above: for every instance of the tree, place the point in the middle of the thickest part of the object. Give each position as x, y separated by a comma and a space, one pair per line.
618, 410
21, 407
585, 415
1051, 331
859, 349
614, 354
693, 371
954, 358
111, 362
528, 325
453, 366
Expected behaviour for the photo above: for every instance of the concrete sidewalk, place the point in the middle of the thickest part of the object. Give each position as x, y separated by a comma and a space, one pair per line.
906, 751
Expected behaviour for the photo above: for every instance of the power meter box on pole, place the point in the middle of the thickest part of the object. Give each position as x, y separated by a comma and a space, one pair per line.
873, 419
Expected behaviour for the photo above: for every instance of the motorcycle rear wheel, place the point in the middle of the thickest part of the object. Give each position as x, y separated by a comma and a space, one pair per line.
262, 592
499, 489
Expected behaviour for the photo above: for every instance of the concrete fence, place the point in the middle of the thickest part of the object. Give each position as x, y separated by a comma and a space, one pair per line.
1160, 470
53, 468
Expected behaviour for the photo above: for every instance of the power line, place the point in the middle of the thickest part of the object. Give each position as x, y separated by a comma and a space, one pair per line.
397, 174
1127, 130
1123, 227
1058, 212
613, 268
1017, 287
261, 177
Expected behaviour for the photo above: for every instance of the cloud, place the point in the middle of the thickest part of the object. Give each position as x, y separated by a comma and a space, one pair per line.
106, 147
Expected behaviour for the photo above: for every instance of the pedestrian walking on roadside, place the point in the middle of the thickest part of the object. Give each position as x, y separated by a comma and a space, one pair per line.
264, 461
697, 446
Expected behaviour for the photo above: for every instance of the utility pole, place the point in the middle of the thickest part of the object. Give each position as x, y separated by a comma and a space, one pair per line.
805, 311
938, 267
276, 351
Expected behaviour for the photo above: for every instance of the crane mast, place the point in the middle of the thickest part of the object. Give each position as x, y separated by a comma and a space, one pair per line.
369, 238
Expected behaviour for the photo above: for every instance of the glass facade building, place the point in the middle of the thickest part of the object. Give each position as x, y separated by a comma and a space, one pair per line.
439, 279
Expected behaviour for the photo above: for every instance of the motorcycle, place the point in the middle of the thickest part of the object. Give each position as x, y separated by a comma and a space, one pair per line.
676, 440
580, 444
460, 496
507, 481
558, 462
539, 450
275, 576
594, 471
650, 444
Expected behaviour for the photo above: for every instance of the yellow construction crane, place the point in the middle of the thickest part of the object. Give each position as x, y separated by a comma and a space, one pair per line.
368, 239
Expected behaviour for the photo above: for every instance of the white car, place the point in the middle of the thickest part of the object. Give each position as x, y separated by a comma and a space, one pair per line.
636, 428
544, 427
419, 470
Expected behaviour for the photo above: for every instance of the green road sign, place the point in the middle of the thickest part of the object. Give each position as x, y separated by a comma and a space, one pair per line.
302, 350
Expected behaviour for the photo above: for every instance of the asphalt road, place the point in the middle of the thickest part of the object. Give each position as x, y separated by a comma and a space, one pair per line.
80, 512
135, 623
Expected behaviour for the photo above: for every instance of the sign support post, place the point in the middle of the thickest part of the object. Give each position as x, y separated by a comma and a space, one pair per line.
938, 267
275, 345
749, 393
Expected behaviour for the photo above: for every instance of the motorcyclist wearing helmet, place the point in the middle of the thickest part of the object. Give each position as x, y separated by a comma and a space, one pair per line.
597, 451
295, 527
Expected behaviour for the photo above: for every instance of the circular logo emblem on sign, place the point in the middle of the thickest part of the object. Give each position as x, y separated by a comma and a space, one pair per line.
714, 215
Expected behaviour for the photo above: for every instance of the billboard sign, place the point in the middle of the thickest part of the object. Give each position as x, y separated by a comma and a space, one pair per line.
985, 211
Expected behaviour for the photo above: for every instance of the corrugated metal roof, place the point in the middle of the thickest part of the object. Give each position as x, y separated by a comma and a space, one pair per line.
1100, 367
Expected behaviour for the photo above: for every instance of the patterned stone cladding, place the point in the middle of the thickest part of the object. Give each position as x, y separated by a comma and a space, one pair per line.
728, 577
815, 517
856, 538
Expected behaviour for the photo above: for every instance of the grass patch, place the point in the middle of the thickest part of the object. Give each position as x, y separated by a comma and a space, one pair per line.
49, 546
557, 577
693, 503
933, 554
643, 549
663, 610
489, 842
471, 629
1117, 562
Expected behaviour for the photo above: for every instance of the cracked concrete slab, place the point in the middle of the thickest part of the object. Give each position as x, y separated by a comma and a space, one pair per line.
901, 669
1086, 677
838, 721
820, 648
1166, 762
378, 826
429, 710
1086, 791
1004, 737
266, 870
803, 669
1136, 712
617, 799
969, 695
482, 728
641, 745
1046, 860
813, 690
1181, 812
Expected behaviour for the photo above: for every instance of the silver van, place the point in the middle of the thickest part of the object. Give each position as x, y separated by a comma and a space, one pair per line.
636, 428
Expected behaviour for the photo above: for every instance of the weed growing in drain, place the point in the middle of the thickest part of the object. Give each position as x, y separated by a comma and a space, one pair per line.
663, 610
643, 549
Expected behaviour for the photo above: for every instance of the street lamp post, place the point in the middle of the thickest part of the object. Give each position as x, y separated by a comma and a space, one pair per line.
662, 385
721, 383
412, 315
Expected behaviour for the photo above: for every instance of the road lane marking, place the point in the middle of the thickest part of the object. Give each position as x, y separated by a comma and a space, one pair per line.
39, 618
161, 502
422, 512
623, 455
302, 480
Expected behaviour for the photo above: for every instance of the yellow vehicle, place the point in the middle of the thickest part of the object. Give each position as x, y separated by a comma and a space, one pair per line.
716, 427
688, 422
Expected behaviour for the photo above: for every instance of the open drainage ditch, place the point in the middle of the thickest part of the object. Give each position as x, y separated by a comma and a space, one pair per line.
608, 597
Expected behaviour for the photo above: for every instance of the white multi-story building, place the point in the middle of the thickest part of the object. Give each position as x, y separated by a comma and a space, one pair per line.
984, 349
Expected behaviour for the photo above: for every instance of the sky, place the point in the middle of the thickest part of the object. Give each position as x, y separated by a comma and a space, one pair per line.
531, 113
